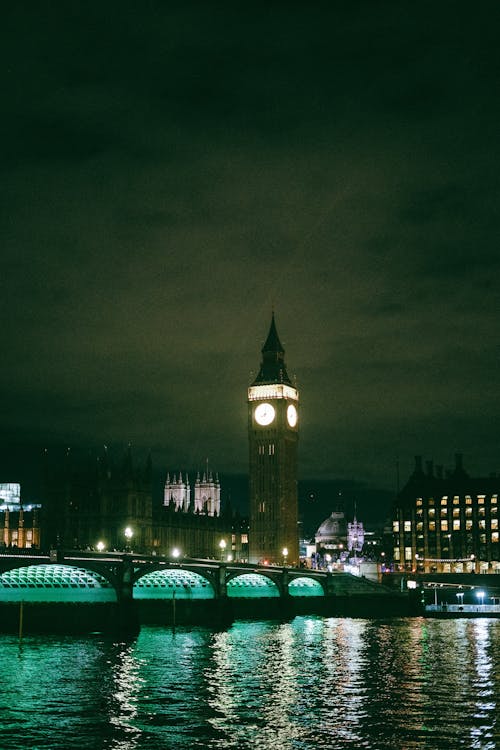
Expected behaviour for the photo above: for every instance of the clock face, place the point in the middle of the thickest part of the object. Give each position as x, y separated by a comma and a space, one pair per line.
291, 415
264, 414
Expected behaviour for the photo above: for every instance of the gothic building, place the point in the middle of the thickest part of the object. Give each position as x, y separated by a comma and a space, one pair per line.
192, 522
206, 500
89, 503
273, 443
19, 522
93, 500
447, 522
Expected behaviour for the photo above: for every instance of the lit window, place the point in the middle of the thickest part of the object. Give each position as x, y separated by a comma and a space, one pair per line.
432, 526
407, 525
482, 524
420, 526
395, 526
468, 500
444, 500
456, 525
494, 537
482, 511
407, 553
432, 512
468, 511
244, 538
494, 523
444, 525
397, 555
482, 538
456, 512
456, 500
468, 525
444, 512
419, 501
494, 499
480, 499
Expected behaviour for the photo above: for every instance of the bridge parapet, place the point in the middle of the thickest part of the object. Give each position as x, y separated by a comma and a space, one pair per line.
124, 569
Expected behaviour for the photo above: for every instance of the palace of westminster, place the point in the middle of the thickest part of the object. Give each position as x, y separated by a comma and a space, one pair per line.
444, 522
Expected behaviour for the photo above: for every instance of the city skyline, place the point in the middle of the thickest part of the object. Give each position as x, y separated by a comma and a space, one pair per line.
175, 174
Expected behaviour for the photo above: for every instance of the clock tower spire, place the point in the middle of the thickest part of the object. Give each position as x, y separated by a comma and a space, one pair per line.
273, 441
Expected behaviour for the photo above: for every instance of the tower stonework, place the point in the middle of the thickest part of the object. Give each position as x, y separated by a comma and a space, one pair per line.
273, 442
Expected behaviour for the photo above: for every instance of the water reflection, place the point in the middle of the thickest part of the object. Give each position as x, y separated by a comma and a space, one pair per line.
122, 698
309, 684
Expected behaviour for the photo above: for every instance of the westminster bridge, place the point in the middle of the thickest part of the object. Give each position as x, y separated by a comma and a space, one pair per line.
119, 590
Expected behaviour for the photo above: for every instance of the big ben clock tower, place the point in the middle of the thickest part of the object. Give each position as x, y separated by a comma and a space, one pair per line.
273, 438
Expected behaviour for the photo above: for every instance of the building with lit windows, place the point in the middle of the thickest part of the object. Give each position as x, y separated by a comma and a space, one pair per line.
19, 523
447, 522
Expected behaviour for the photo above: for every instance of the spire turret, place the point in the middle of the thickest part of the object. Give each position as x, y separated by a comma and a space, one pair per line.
272, 368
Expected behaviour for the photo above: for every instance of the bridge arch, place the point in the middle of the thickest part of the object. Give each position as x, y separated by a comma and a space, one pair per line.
165, 582
55, 583
252, 586
305, 586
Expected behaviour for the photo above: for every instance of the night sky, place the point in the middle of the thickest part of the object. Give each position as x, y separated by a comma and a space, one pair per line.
171, 171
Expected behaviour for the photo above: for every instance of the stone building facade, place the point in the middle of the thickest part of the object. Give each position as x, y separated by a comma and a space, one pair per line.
447, 522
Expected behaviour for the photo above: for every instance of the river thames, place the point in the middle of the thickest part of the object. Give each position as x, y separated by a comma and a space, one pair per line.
311, 683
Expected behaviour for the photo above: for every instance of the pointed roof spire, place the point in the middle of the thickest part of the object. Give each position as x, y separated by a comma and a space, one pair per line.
272, 368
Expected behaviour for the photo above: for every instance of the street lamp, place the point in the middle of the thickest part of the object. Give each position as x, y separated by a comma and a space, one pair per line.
284, 552
128, 536
100, 546
222, 545
480, 596
176, 553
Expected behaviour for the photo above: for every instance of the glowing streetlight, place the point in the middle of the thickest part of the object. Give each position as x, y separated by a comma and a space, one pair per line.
128, 536
222, 545
100, 546
480, 596
176, 553
460, 598
284, 552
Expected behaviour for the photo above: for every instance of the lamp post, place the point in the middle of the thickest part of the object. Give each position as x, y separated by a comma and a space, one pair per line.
100, 546
222, 545
175, 553
284, 552
128, 536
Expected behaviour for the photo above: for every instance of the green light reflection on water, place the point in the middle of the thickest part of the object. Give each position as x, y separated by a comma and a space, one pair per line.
310, 684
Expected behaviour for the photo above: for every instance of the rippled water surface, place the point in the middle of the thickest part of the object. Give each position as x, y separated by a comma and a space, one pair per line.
310, 683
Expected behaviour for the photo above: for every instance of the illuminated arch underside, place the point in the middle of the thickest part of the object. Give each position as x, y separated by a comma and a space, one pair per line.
54, 583
162, 584
252, 586
305, 587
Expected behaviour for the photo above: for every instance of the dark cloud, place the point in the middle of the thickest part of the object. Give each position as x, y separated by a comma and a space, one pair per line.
172, 171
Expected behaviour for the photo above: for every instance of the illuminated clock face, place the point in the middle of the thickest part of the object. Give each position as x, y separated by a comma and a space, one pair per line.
264, 414
291, 415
